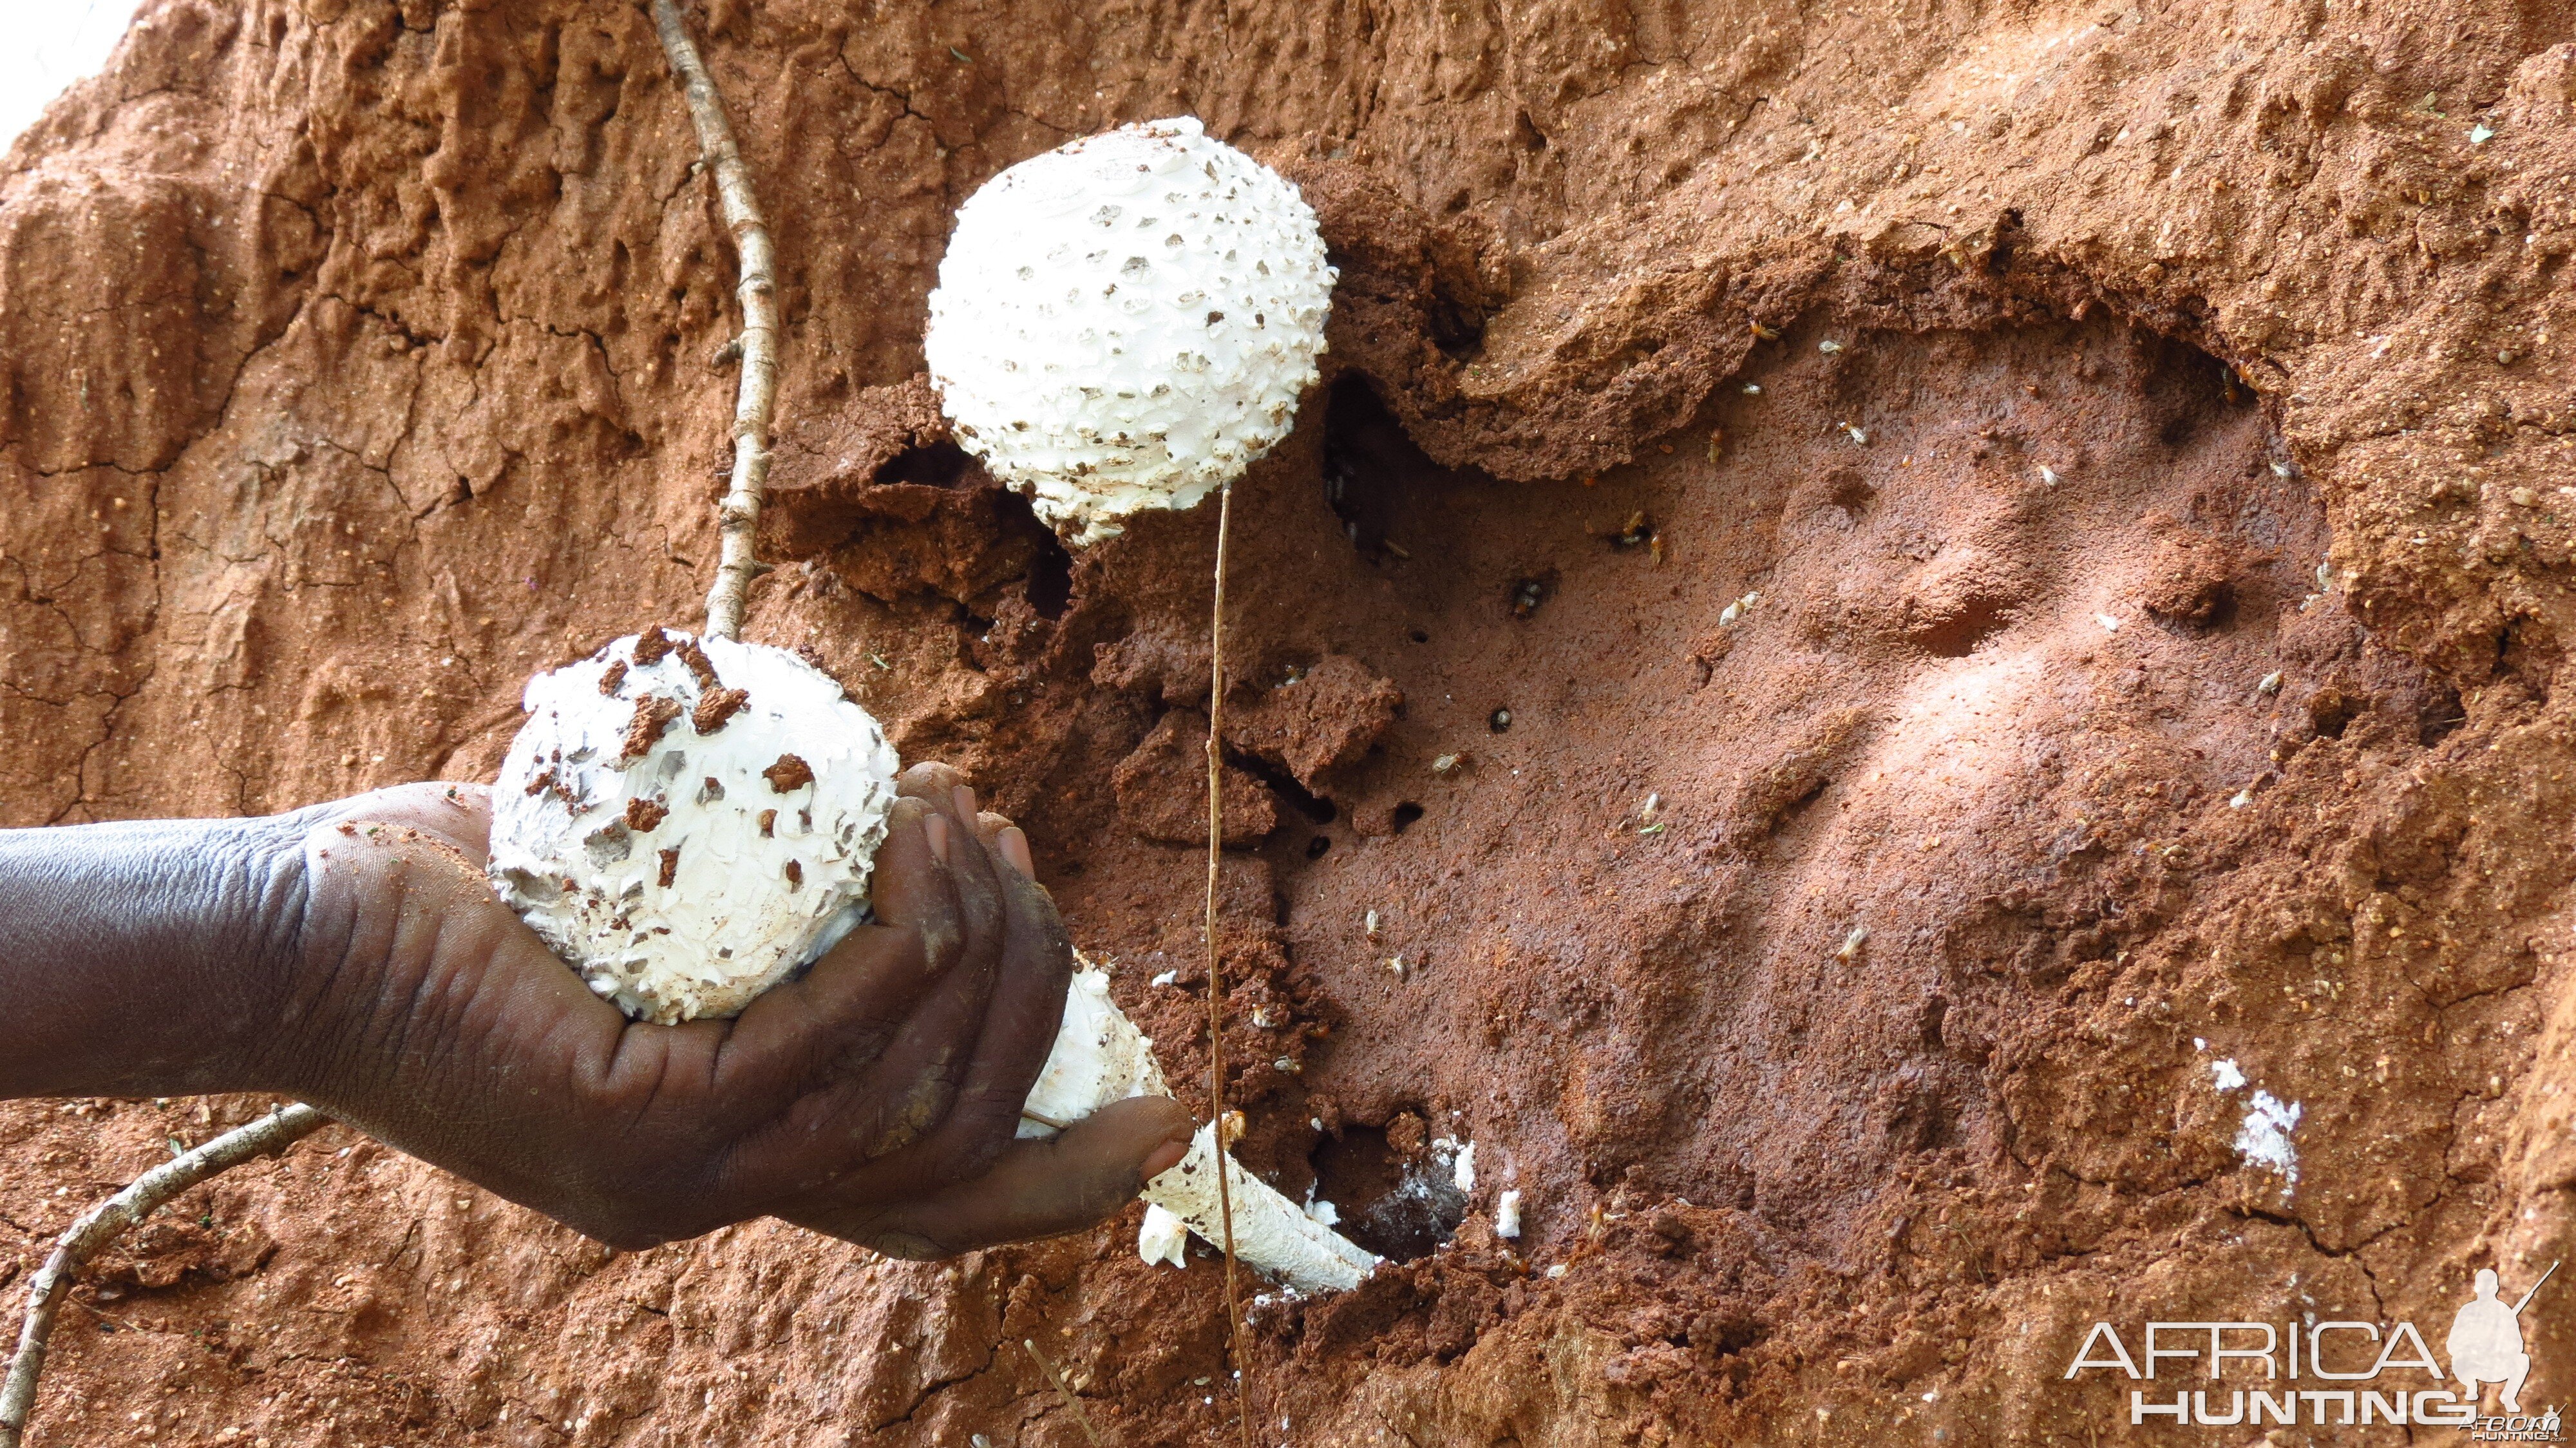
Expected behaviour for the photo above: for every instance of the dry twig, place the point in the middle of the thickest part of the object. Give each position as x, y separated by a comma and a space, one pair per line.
1081, 1415
738, 522
108, 1220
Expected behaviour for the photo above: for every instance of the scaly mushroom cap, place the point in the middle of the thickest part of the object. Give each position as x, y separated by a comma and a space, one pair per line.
1127, 321
688, 822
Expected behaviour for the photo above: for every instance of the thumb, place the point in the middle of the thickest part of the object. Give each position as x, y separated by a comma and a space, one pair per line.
1036, 1188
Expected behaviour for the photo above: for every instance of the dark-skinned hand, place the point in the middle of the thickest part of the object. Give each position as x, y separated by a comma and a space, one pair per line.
352, 955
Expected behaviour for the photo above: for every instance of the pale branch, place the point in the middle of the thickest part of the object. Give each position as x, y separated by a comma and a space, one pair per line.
738, 520
109, 1220
1216, 964
1081, 1415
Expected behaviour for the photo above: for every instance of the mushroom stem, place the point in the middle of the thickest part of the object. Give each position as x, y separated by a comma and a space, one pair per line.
1216, 961
1278, 1236
738, 519
108, 1220
1100, 1057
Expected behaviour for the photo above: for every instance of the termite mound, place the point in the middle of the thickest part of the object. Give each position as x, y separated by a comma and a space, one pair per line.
1875, 1042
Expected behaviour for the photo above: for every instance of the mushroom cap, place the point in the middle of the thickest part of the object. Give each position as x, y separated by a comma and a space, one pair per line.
682, 848
1128, 321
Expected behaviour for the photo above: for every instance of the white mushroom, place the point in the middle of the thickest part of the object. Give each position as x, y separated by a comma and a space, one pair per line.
1127, 321
1100, 1057
687, 822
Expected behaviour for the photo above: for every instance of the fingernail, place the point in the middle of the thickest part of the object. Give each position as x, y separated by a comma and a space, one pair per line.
936, 826
966, 807
1015, 848
1163, 1158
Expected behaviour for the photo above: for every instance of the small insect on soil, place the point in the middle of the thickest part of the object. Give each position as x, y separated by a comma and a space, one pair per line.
1527, 595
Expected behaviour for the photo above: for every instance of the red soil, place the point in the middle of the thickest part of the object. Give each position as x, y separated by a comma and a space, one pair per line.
2162, 592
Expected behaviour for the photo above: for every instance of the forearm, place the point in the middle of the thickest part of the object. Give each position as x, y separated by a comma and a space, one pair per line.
150, 958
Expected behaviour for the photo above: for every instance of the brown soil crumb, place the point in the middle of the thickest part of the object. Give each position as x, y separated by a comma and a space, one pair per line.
643, 814
789, 773
670, 867
702, 668
768, 821
651, 645
654, 714
536, 786
612, 677
2188, 580
795, 875
715, 706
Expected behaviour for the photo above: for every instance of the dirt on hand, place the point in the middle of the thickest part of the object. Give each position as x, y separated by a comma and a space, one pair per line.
1908, 664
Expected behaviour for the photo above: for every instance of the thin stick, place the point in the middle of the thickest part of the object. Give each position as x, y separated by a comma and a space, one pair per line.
738, 521
108, 1220
1216, 964
1081, 1417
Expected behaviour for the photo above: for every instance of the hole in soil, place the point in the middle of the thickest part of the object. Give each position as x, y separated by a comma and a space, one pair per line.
2330, 711
2440, 715
1405, 814
1418, 636
1846, 489
1400, 1207
1365, 455
1313, 806
940, 465
1316, 847
1050, 577
1049, 583
1500, 722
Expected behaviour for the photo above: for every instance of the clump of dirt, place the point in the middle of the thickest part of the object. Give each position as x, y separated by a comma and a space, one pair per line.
1885, 626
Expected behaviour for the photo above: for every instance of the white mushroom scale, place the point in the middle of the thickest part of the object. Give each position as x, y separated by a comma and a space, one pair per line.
1128, 321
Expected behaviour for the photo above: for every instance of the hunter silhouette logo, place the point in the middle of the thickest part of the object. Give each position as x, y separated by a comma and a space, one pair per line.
2252, 1373
2486, 1340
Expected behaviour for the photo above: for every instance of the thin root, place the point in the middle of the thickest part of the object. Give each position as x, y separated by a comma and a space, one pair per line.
109, 1220
738, 518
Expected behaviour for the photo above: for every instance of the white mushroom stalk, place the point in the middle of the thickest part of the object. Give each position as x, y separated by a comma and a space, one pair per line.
1101, 1057
1127, 321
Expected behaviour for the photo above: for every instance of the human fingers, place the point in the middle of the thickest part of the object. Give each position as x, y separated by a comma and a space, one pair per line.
1009, 841
1036, 1188
942, 785
1018, 1030
868, 1043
